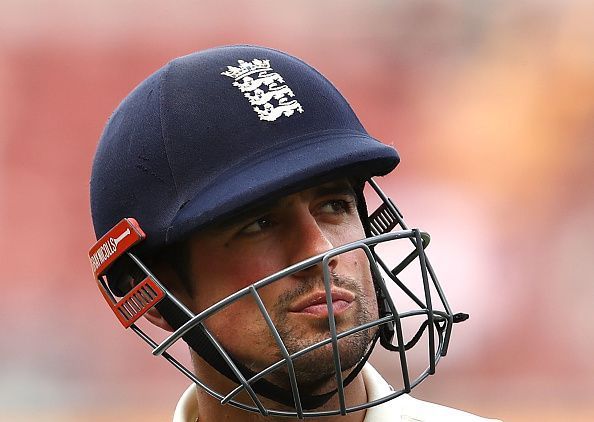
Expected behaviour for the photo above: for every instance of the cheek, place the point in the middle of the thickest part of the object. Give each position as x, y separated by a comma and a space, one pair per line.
241, 272
226, 272
358, 267
240, 325
350, 231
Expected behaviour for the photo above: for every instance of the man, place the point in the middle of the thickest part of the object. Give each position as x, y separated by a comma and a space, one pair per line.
227, 194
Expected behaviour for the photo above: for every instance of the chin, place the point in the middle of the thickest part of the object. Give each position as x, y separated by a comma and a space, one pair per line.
316, 370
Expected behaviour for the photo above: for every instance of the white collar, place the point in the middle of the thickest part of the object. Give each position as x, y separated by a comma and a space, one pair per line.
402, 408
376, 387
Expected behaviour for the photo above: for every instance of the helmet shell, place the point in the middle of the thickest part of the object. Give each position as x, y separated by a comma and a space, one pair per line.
215, 131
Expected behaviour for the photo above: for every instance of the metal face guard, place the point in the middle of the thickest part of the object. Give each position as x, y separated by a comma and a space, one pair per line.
437, 322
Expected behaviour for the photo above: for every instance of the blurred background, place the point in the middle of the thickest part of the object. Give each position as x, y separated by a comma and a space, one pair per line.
490, 104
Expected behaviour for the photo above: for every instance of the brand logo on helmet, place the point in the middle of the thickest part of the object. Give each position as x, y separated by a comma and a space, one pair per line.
264, 89
106, 250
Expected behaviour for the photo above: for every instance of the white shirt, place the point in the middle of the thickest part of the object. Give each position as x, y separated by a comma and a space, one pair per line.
405, 407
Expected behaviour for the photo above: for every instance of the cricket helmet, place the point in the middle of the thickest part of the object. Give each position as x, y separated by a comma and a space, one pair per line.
212, 133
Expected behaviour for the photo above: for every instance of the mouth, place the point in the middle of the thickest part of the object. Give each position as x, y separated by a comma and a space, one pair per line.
314, 304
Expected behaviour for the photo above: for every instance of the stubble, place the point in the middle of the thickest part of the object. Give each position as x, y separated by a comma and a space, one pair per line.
316, 368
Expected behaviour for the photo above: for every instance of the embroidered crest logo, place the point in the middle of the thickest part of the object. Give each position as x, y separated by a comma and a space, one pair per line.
264, 89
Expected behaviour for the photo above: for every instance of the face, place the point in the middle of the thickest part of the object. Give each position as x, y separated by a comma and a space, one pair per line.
229, 257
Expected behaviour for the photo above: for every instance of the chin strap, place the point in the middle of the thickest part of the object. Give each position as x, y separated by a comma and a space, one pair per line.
198, 341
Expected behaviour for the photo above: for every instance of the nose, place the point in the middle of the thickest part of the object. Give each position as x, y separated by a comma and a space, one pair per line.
309, 238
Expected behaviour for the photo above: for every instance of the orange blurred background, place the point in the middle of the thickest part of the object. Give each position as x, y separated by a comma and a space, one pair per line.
490, 104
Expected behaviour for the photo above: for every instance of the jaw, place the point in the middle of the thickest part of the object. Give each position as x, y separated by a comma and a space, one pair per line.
354, 393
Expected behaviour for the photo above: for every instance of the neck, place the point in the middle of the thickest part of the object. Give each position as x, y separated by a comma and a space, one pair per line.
210, 410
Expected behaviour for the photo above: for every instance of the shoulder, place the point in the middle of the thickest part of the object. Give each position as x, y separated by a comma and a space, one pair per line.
419, 410
406, 407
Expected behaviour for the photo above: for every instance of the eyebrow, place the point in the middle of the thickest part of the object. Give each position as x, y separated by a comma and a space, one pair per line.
340, 187
335, 188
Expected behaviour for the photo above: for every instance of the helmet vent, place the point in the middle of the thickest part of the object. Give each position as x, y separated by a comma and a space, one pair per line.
137, 302
382, 220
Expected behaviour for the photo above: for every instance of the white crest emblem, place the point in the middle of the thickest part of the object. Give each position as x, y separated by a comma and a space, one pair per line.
264, 89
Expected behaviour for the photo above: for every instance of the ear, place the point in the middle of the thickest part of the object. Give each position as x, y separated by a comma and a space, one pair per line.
157, 319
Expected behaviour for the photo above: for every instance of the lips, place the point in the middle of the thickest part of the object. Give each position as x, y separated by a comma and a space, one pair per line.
315, 303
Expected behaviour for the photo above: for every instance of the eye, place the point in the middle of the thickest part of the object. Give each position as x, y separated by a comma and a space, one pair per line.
257, 226
338, 206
